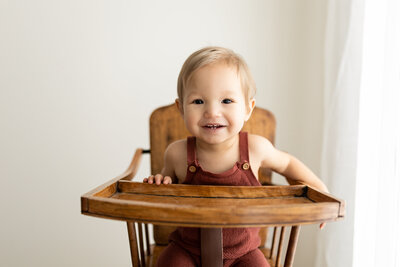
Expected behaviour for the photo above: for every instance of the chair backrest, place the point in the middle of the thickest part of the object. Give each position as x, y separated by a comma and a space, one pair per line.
167, 126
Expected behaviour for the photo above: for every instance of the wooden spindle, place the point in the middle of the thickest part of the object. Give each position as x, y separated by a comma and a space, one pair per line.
146, 231
133, 244
273, 243
141, 245
291, 250
278, 257
266, 234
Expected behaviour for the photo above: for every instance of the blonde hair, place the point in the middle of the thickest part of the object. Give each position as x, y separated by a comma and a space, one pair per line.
210, 55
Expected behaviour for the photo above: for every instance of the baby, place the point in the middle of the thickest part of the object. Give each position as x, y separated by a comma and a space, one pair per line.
216, 97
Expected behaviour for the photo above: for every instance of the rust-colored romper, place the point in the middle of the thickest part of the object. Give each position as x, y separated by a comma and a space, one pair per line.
240, 245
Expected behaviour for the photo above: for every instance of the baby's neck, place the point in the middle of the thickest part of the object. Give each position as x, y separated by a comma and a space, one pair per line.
224, 147
217, 158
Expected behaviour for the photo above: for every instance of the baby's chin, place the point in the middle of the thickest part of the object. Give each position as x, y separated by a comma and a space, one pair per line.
216, 138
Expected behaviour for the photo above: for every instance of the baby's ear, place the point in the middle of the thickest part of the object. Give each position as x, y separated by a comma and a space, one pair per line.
250, 107
178, 104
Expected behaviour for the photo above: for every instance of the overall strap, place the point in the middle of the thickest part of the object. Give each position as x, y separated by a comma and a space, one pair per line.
191, 150
243, 147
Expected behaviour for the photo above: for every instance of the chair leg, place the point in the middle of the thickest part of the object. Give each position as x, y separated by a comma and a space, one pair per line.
143, 258
211, 247
281, 237
146, 228
273, 242
294, 236
133, 244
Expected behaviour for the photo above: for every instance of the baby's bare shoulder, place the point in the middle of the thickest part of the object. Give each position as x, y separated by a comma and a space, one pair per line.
259, 143
175, 159
261, 149
264, 151
176, 150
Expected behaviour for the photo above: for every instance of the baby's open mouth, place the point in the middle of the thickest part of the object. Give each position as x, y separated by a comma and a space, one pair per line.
214, 126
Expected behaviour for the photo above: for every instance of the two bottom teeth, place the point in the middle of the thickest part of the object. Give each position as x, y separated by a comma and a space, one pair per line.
213, 126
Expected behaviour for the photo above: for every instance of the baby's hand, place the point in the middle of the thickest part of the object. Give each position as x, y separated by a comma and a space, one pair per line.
158, 179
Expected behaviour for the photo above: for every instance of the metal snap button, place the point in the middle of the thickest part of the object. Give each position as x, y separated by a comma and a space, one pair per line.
246, 166
192, 168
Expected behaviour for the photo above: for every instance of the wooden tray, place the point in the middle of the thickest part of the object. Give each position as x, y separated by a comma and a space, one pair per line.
211, 206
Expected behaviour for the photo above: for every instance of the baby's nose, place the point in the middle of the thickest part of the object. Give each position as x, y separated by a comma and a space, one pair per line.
211, 111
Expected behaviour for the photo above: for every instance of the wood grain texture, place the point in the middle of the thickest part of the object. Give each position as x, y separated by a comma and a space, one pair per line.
315, 196
184, 190
214, 206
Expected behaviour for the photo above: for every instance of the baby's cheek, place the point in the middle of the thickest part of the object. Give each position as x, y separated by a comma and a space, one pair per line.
191, 121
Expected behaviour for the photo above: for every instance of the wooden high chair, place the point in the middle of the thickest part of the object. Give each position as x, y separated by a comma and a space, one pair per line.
209, 207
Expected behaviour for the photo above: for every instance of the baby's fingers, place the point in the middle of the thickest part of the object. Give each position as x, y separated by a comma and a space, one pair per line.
158, 178
322, 225
148, 179
167, 180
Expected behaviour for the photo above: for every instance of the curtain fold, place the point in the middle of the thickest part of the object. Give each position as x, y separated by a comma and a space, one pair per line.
361, 145
339, 149
377, 197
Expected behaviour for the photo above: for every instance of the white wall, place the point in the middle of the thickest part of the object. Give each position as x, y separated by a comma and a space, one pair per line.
78, 80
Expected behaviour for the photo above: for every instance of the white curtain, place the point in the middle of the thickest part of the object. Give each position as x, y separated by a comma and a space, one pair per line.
377, 205
361, 153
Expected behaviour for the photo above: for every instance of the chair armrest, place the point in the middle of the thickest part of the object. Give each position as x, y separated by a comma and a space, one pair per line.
109, 187
134, 166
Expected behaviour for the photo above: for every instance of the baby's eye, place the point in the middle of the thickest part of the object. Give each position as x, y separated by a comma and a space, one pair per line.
227, 101
198, 101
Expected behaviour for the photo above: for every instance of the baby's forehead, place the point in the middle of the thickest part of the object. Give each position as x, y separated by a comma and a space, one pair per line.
217, 66
198, 91
210, 72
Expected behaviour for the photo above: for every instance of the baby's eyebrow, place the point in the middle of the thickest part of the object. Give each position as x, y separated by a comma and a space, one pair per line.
193, 95
229, 91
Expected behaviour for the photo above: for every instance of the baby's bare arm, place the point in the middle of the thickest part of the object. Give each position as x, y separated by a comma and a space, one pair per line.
295, 170
285, 164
